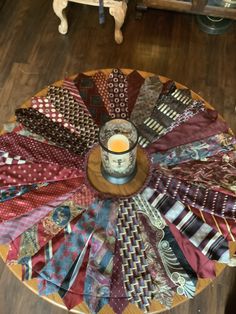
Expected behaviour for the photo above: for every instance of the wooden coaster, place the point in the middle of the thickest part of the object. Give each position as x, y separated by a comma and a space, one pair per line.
100, 184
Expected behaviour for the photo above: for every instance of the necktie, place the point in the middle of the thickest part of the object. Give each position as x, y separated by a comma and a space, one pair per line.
41, 233
100, 80
199, 150
75, 112
73, 91
43, 105
118, 94
202, 125
100, 264
33, 172
38, 123
160, 250
134, 82
33, 150
71, 290
200, 197
217, 172
118, 298
203, 236
27, 202
203, 267
226, 227
91, 97
147, 97
55, 271
14, 191
137, 279
167, 111
33, 265
10, 230
7, 159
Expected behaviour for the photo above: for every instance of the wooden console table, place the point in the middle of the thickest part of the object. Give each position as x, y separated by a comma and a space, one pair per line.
117, 8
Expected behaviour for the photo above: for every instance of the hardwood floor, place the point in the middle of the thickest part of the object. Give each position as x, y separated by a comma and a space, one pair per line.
33, 54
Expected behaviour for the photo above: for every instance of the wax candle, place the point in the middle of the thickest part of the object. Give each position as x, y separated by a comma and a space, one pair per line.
118, 143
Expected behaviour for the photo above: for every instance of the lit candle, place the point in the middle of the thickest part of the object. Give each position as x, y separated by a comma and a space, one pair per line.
118, 143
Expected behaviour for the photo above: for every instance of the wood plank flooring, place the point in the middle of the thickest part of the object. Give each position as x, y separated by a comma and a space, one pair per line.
33, 54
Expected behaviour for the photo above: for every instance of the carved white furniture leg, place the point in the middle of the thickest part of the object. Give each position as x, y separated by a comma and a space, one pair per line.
116, 8
58, 7
119, 12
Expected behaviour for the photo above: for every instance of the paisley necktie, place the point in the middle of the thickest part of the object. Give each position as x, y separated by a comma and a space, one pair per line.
41, 233
147, 98
203, 236
53, 274
217, 172
29, 201
100, 264
10, 230
199, 150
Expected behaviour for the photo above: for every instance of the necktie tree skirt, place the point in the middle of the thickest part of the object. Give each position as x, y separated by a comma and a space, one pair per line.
151, 243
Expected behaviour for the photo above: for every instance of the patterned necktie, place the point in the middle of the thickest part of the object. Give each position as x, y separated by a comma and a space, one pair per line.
137, 279
203, 236
75, 112
91, 97
29, 201
72, 288
53, 131
32, 172
134, 81
7, 159
165, 259
43, 105
33, 150
207, 200
167, 111
100, 264
53, 274
41, 233
118, 94
32, 266
200, 126
10, 230
14, 191
100, 80
223, 179
147, 97
226, 227
118, 298
199, 150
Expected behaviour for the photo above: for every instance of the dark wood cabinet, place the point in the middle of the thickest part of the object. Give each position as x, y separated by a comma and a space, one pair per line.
221, 8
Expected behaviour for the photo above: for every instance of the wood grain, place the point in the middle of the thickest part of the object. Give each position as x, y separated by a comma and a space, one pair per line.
34, 54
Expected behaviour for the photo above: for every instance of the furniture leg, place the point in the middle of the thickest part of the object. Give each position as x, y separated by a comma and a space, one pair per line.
119, 12
58, 7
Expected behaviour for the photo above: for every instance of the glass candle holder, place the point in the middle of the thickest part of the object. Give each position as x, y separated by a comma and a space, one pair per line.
118, 140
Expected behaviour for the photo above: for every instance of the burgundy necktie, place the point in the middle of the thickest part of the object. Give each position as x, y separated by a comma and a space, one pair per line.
118, 94
91, 97
135, 81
